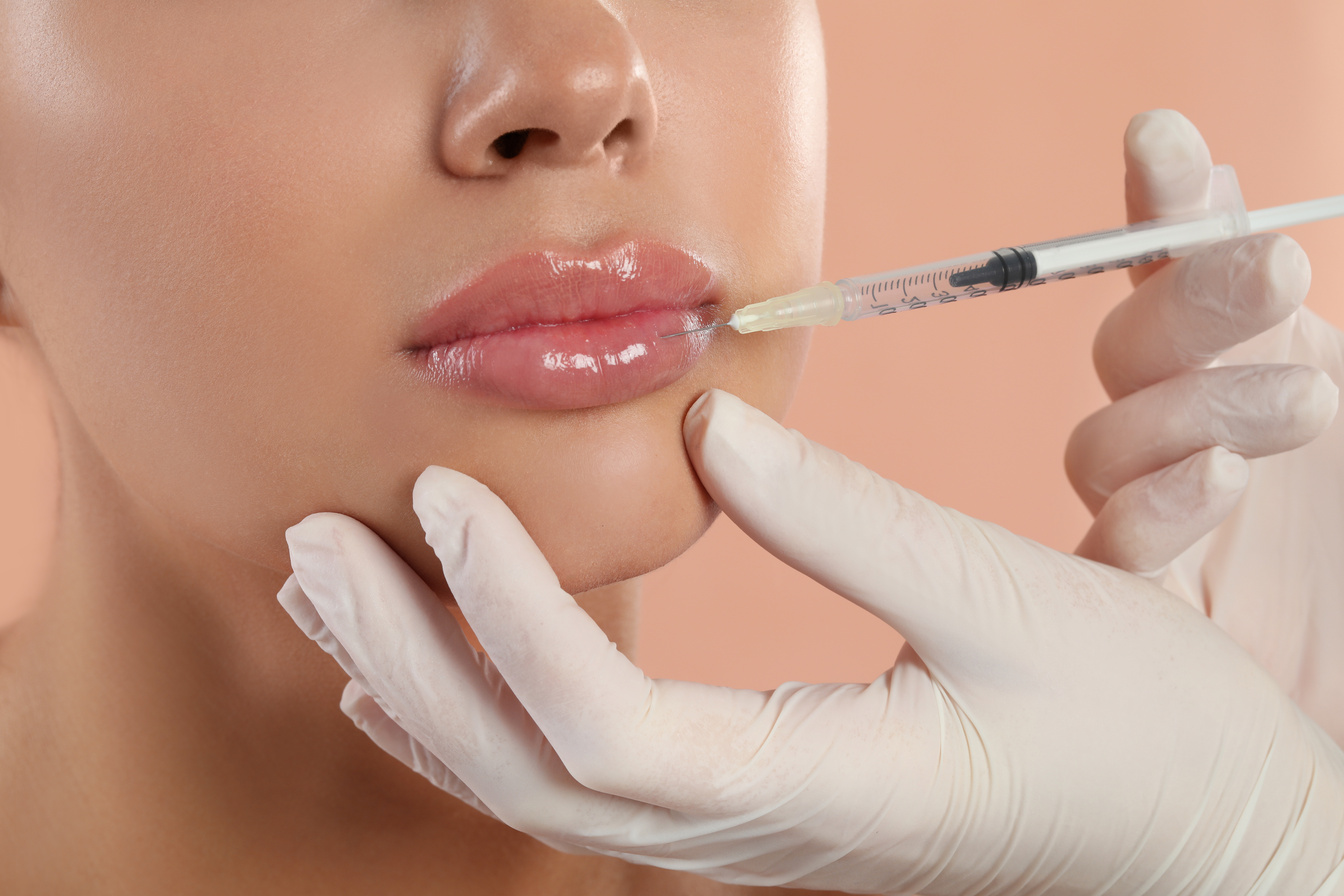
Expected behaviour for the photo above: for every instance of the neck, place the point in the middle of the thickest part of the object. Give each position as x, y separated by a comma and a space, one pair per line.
159, 692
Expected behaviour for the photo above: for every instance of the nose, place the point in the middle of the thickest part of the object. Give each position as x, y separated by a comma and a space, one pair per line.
555, 84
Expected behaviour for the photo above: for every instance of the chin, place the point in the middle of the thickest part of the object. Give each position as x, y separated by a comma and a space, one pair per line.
596, 533
607, 494
618, 556
616, 538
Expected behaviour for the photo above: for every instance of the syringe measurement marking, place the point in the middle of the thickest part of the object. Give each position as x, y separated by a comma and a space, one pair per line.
935, 295
940, 297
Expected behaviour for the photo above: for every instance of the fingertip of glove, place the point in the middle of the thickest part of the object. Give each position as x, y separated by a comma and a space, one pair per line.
1287, 269
315, 533
442, 496
317, 549
1322, 398
714, 405
1301, 400
454, 509
727, 436
354, 700
300, 607
293, 599
1165, 142
1226, 471
697, 413
437, 485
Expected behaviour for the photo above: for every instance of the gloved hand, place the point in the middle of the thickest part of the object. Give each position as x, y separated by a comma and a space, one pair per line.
1272, 576
1052, 725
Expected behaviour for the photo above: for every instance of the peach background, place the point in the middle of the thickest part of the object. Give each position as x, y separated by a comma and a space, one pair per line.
955, 127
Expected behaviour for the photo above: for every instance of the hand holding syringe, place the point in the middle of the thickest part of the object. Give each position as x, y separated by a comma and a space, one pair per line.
972, 276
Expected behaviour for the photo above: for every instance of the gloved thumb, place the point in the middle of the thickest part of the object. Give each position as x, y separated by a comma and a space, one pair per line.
938, 577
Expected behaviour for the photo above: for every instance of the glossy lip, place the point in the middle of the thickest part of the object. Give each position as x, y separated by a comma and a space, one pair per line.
555, 330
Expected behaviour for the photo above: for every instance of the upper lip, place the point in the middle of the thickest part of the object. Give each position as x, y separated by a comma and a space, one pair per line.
552, 287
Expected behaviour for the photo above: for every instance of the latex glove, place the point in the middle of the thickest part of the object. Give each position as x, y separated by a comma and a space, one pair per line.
1273, 575
1052, 726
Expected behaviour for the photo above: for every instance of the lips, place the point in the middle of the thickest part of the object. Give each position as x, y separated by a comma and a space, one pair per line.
552, 330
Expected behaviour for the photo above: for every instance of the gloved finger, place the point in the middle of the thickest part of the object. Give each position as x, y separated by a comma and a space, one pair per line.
405, 646
1149, 522
1186, 315
1253, 411
1167, 167
712, 751
372, 718
362, 708
930, 572
306, 617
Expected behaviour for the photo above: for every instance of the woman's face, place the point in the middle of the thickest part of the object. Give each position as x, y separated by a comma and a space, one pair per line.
281, 255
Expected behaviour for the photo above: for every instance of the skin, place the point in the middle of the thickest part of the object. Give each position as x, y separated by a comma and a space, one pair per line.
218, 224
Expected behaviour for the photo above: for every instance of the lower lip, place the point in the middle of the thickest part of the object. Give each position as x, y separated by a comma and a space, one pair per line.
572, 365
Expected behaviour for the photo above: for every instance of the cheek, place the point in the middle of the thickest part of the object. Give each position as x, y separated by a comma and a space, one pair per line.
743, 110
182, 247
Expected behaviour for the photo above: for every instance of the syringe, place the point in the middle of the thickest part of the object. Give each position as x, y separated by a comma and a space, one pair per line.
972, 276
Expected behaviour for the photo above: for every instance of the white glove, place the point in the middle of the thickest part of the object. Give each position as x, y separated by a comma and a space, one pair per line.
1052, 726
1273, 575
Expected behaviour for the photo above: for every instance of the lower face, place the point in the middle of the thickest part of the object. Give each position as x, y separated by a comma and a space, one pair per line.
226, 225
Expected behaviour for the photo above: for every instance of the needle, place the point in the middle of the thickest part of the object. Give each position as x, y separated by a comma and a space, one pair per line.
700, 330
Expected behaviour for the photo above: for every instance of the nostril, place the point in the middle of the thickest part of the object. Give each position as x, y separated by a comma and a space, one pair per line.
510, 145
624, 132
